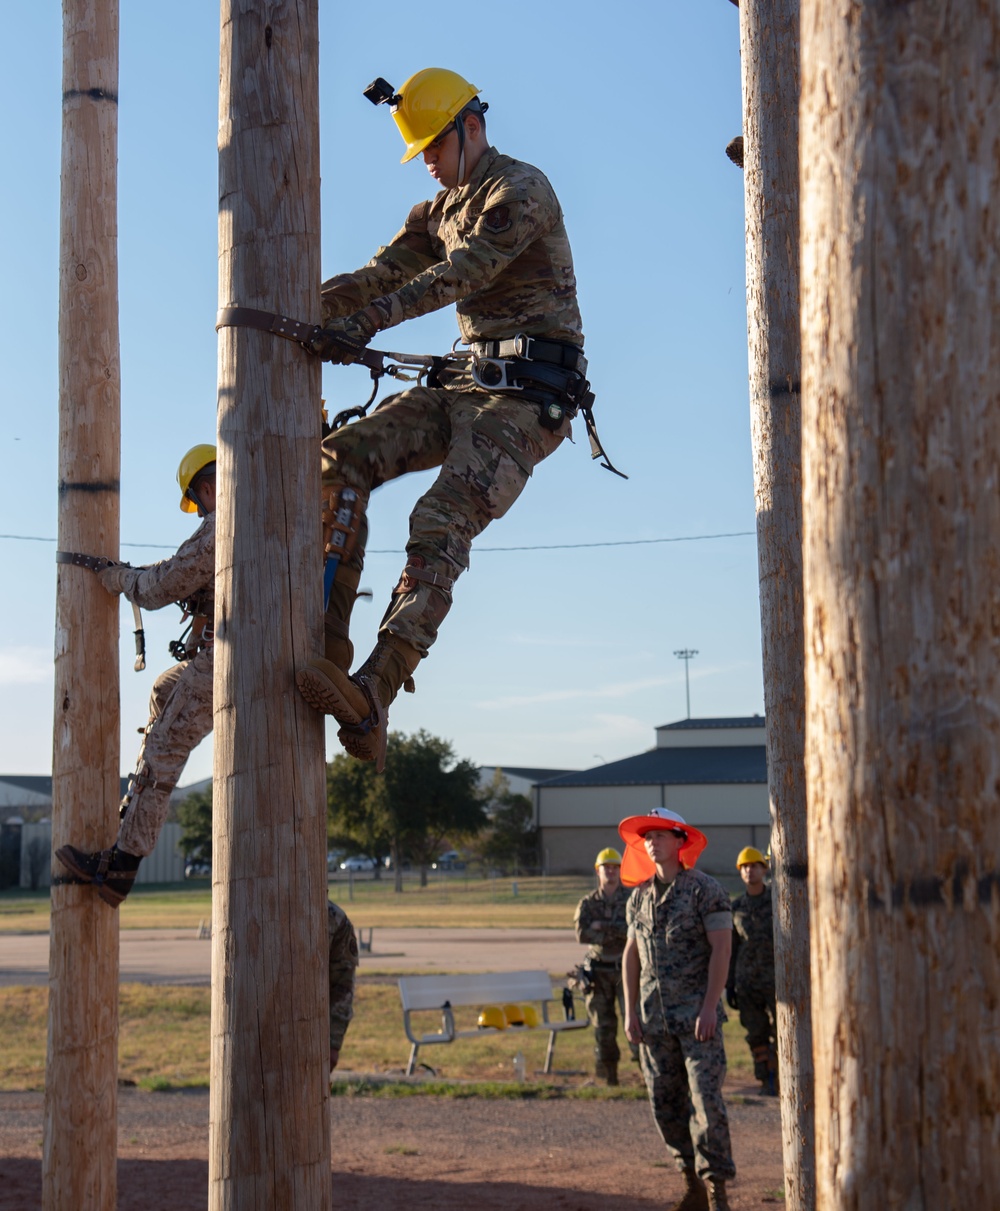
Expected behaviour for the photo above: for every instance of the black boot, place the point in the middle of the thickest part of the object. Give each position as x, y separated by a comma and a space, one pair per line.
111, 870
695, 1197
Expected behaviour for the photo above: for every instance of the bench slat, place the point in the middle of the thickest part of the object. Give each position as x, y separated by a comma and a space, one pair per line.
495, 987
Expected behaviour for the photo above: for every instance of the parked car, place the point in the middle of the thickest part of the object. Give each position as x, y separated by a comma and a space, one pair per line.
197, 870
452, 860
358, 862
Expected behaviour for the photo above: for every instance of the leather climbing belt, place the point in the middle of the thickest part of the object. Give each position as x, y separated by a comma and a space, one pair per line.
97, 563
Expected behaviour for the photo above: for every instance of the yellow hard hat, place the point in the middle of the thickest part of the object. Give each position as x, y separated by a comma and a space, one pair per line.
492, 1016
530, 1015
196, 460
748, 855
608, 857
514, 1015
425, 105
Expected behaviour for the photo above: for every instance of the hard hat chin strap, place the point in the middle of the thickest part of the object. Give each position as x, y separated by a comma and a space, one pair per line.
460, 127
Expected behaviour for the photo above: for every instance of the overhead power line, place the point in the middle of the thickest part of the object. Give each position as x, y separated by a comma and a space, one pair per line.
555, 546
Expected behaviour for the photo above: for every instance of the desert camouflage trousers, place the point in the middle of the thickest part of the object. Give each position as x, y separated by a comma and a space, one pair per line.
604, 1002
684, 1081
180, 716
486, 446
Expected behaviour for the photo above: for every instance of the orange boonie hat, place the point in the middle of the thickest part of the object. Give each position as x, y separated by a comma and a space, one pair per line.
637, 865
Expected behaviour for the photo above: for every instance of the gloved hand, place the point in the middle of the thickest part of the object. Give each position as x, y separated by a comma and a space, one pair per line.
357, 329
117, 577
731, 996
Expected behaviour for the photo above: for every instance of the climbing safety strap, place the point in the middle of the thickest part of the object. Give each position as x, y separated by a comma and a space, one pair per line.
97, 563
404, 367
497, 365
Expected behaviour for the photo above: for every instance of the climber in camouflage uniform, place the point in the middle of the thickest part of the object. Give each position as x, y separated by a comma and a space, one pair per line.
750, 987
675, 966
343, 964
180, 707
600, 924
493, 242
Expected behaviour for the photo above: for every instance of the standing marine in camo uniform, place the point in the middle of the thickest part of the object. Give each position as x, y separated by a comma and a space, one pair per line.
600, 924
493, 242
675, 966
343, 964
180, 707
750, 987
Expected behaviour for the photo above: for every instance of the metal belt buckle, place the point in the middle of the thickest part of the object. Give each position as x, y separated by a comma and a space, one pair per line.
490, 373
522, 345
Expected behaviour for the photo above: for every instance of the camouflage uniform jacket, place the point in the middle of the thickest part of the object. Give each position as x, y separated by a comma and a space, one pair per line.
753, 941
606, 944
670, 924
343, 961
188, 575
496, 247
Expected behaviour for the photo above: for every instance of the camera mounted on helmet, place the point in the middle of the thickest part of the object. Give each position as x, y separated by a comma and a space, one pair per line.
381, 92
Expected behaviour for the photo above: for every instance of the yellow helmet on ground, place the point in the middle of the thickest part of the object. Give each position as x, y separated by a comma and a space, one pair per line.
514, 1015
530, 1015
608, 857
492, 1017
192, 464
748, 855
426, 103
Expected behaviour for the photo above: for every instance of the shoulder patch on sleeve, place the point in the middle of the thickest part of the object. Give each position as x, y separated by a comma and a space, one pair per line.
498, 219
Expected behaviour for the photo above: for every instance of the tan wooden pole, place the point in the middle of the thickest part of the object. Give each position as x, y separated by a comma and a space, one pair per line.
900, 127
769, 46
79, 1154
269, 1138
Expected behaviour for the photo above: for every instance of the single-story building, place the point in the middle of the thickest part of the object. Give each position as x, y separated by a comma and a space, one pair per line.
26, 843
713, 772
521, 779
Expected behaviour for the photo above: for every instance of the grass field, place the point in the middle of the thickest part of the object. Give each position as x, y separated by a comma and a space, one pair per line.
164, 1042
451, 900
164, 1031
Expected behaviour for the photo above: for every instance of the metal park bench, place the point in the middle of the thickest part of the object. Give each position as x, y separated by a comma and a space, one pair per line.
444, 994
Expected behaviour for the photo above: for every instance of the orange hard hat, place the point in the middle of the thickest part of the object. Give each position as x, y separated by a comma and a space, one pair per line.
637, 865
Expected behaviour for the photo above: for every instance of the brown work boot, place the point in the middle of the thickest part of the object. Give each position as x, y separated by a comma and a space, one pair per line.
717, 1200
112, 871
695, 1196
360, 703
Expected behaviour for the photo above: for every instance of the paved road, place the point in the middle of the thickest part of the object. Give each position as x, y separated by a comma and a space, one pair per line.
173, 956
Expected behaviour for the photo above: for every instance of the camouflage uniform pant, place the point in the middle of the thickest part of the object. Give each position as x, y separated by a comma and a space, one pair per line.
604, 1002
486, 446
759, 1018
180, 716
684, 1080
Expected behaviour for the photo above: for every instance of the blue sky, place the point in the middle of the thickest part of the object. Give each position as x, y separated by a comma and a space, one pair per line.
557, 656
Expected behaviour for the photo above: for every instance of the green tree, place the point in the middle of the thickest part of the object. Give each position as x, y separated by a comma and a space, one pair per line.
511, 840
424, 795
354, 820
195, 816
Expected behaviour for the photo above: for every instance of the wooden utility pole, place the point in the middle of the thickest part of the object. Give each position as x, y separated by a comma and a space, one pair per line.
269, 1134
769, 47
900, 148
79, 1156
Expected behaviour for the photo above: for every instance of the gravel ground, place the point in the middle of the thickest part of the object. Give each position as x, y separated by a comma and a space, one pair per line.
423, 1152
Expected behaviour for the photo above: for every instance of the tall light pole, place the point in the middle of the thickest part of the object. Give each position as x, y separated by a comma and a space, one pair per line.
687, 654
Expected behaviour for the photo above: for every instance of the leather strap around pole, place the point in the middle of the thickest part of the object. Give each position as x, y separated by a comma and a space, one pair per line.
95, 563
300, 333
280, 325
